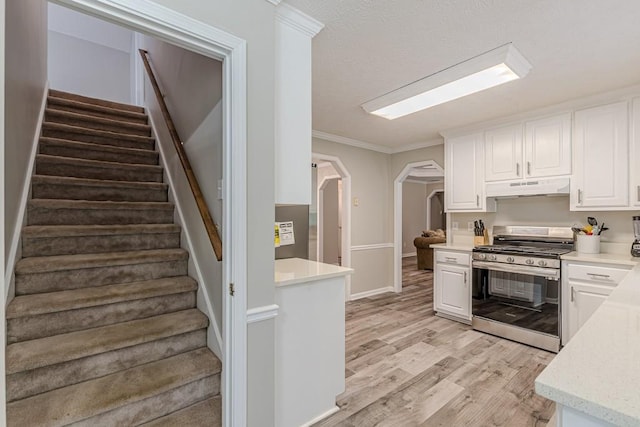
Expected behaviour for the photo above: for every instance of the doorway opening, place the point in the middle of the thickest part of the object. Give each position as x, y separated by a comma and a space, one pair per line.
422, 178
436, 216
330, 214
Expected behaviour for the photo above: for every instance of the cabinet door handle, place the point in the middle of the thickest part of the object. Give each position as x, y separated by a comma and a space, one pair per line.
528, 168
579, 197
517, 169
572, 296
477, 200
465, 277
604, 276
450, 259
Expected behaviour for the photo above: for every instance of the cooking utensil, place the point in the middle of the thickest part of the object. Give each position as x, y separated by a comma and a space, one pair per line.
592, 221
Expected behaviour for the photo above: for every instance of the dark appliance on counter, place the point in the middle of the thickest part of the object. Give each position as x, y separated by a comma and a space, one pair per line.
516, 284
635, 246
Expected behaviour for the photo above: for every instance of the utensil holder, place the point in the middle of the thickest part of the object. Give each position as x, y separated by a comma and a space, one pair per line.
588, 244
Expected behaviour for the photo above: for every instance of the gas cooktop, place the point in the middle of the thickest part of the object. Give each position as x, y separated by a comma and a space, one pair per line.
517, 249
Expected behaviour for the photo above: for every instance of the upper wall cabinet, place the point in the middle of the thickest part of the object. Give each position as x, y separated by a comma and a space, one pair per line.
293, 33
503, 153
464, 174
601, 145
545, 151
635, 153
547, 147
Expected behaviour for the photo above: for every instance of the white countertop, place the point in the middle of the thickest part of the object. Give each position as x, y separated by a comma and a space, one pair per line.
291, 271
598, 372
620, 259
453, 247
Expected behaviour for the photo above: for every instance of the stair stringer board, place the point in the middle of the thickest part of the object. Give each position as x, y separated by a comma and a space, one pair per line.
15, 249
174, 175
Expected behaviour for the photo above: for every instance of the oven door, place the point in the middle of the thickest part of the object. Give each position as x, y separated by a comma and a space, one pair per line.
521, 296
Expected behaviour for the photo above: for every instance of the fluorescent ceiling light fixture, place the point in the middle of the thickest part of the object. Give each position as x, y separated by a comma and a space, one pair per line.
493, 68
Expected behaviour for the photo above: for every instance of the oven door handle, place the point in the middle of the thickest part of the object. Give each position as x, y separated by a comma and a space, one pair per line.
551, 273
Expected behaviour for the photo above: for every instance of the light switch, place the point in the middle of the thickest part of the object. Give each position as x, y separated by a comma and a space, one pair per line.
356, 201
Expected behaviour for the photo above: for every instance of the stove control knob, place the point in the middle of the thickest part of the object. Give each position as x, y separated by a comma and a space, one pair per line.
493, 257
481, 256
510, 259
542, 263
529, 261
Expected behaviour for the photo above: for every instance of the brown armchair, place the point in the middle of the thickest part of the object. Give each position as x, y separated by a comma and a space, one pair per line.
425, 252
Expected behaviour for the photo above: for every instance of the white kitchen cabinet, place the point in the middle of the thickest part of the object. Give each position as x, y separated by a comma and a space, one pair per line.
601, 144
547, 147
635, 153
545, 150
452, 285
464, 175
585, 288
292, 110
503, 153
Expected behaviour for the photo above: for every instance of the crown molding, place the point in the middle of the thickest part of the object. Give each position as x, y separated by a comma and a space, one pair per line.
350, 141
374, 147
297, 20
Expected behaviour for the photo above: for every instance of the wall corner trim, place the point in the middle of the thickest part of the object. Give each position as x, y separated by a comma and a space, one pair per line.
296, 19
260, 314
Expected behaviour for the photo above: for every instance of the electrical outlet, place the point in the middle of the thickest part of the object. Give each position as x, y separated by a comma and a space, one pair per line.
454, 226
356, 201
470, 226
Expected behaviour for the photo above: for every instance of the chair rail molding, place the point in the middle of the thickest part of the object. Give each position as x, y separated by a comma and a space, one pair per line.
260, 314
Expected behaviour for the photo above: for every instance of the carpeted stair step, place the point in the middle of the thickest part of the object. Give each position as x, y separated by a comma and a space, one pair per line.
95, 169
86, 150
73, 106
205, 413
129, 397
75, 133
98, 123
95, 101
50, 240
82, 212
41, 315
63, 272
60, 187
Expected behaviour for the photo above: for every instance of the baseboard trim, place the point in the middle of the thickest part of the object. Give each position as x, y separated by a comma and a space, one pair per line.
409, 255
260, 314
21, 219
371, 293
321, 417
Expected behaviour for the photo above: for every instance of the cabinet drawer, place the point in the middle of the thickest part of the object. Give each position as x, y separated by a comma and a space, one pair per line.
452, 257
597, 274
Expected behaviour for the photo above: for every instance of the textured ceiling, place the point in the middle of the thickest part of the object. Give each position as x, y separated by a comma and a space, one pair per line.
369, 48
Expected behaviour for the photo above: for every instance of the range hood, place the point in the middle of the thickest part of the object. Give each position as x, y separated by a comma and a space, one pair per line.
537, 187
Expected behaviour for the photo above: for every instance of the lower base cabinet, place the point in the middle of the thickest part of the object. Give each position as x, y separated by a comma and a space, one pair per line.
452, 285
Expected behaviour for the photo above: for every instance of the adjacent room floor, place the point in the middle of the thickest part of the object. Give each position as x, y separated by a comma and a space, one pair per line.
407, 367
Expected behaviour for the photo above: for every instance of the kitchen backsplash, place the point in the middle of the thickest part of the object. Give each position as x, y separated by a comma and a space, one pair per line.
548, 211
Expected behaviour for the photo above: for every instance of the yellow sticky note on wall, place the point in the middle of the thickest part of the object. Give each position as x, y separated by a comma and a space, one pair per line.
276, 239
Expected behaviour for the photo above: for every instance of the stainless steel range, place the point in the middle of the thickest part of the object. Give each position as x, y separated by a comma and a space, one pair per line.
516, 284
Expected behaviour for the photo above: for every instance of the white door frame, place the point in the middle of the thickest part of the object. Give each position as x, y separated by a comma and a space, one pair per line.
319, 226
165, 24
346, 214
429, 197
397, 213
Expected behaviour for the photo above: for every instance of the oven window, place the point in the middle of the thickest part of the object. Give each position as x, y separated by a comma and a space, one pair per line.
523, 300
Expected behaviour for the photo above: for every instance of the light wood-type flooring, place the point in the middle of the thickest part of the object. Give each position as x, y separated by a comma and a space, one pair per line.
407, 367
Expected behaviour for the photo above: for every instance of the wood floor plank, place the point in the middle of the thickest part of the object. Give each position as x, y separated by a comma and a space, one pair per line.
404, 366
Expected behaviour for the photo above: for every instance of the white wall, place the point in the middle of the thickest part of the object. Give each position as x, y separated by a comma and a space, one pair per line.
192, 85
414, 214
24, 74
88, 56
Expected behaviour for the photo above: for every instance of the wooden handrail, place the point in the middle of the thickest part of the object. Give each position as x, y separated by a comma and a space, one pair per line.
212, 230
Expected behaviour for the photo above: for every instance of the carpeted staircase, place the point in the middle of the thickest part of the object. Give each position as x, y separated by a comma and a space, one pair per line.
103, 329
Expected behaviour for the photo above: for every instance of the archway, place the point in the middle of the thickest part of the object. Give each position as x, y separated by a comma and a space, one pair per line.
426, 170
